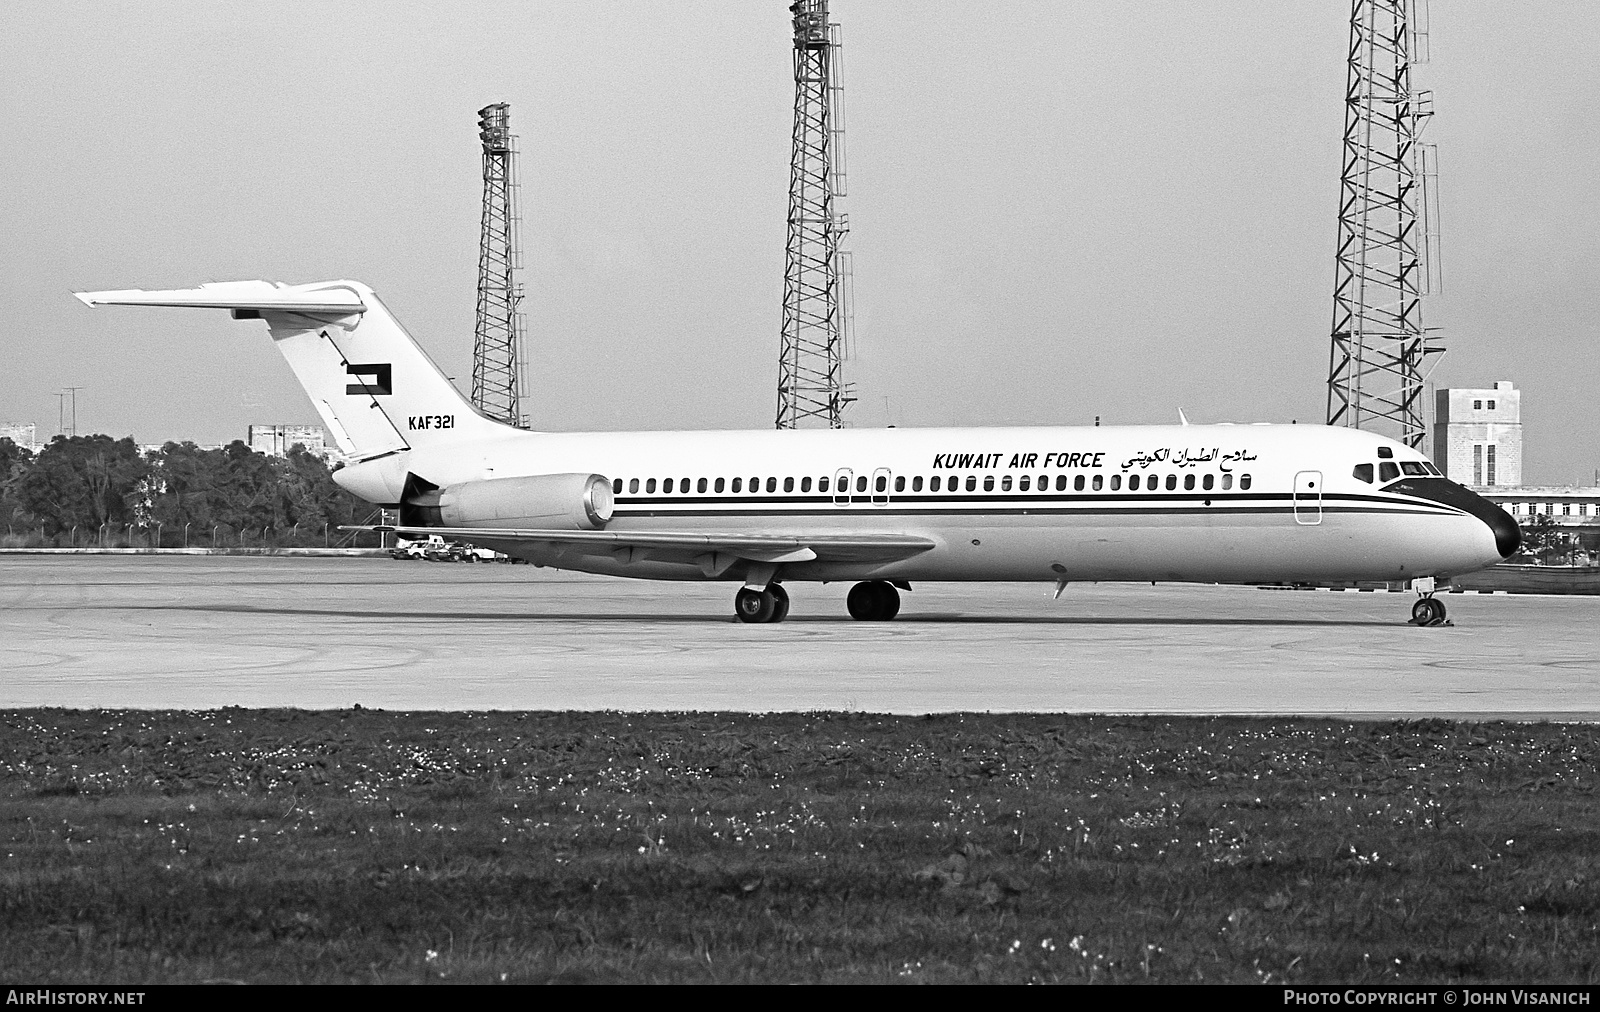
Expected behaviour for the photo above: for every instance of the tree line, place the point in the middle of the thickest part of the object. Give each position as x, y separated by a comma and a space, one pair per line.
96, 490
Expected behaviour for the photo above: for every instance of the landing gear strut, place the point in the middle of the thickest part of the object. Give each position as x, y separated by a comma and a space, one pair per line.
873, 601
770, 605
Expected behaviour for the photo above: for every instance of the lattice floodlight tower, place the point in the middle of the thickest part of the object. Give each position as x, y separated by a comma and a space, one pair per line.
498, 364
811, 387
1386, 259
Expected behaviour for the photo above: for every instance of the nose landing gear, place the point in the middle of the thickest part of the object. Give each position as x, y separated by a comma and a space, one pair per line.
770, 605
1427, 611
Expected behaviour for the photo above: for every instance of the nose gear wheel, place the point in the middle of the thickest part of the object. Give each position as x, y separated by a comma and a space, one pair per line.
1428, 611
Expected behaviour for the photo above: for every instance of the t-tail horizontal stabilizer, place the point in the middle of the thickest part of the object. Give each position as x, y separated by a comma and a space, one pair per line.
375, 388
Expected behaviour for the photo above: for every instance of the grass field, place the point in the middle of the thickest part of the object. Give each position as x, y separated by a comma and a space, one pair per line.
438, 847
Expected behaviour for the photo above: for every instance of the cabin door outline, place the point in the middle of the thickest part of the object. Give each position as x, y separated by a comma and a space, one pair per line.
1308, 498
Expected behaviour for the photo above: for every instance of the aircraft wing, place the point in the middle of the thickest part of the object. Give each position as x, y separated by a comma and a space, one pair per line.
694, 547
261, 296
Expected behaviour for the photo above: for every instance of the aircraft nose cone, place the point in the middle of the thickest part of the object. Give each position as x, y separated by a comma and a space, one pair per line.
1507, 535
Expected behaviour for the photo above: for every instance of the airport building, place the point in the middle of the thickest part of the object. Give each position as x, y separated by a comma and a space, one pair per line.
278, 440
1477, 435
1477, 441
1574, 509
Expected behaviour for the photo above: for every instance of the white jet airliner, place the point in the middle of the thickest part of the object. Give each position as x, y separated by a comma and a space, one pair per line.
1239, 504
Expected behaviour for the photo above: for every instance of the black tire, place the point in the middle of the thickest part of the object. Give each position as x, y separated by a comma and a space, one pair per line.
862, 603
874, 601
888, 601
754, 606
780, 600
1428, 611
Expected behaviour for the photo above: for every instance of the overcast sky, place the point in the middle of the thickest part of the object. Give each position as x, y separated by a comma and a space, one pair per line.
1058, 209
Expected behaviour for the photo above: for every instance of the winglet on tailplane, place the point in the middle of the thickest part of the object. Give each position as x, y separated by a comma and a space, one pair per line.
375, 388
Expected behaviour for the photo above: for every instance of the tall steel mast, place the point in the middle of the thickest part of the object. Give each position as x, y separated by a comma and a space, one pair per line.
1383, 262
499, 368
811, 387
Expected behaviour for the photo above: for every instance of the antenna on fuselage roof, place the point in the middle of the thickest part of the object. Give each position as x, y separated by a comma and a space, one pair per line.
1183, 419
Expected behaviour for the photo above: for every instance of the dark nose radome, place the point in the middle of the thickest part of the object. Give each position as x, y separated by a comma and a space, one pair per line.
1507, 535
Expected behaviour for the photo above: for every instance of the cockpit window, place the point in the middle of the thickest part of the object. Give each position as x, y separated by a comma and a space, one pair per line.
1387, 471
1431, 469
1364, 472
1412, 467
1384, 451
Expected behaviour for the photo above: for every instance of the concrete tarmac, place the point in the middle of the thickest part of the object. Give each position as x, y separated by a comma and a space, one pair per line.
212, 631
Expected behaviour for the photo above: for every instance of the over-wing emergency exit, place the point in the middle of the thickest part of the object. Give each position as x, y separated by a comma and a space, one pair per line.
1245, 504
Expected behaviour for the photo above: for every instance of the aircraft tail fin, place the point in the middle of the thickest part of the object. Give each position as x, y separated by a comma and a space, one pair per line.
375, 388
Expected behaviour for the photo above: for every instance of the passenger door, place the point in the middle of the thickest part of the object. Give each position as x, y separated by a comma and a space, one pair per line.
880, 486
1308, 498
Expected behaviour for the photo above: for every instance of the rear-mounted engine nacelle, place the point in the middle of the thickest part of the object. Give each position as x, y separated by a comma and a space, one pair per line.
560, 502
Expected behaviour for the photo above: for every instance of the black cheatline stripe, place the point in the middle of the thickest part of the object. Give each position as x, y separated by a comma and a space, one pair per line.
901, 512
1061, 502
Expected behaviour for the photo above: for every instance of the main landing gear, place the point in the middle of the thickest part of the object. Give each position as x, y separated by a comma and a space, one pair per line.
770, 605
873, 601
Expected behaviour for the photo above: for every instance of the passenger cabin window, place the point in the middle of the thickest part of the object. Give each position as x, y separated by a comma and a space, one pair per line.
1413, 468
1023, 483
1116, 482
633, 485
1205, 483
972, 483
1244, 481
988, 483
1133, 483
1172, 482
1005, 483
900, 483
1387, 471
933, 484
616, 487
805, 484
666, 485
721, 483
916, 483
1099, 482
650, 487
738, 484
1227, 482
861, 483
1044, 483
1077, 483
788, 484
822, 484
1364, 472
882, 484
1061, 483
1188, 482
683, 485
772, 484
700, 486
